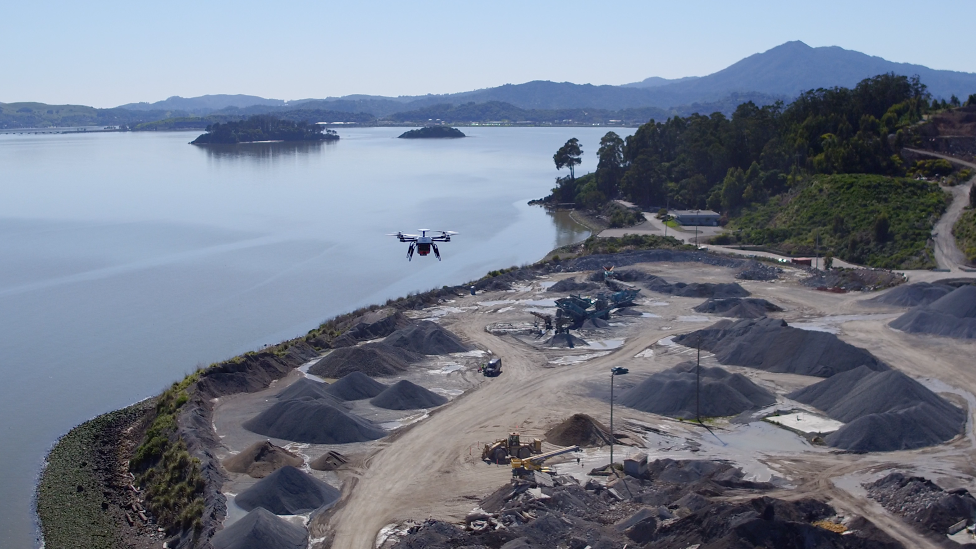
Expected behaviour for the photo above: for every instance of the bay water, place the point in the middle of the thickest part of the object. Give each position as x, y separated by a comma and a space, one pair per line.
129, 259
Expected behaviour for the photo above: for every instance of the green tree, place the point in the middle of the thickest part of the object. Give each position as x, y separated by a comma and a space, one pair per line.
971, 101
828, 260
569, 156
611, 164
954, 101
972, 196
881, 226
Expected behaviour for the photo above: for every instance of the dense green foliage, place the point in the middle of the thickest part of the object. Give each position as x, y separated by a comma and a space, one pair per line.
965, 233
432, 132
263, 128
865, 219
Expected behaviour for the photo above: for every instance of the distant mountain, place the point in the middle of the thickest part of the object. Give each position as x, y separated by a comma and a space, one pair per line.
208, 103
655, 81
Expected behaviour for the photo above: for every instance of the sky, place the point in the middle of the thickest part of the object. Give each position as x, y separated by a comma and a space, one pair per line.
106, 53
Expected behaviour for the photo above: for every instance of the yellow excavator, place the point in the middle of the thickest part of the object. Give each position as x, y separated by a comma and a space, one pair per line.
512, 447
521, 466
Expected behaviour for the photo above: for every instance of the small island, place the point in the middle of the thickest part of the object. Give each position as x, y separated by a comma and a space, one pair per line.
263, 128
429, 132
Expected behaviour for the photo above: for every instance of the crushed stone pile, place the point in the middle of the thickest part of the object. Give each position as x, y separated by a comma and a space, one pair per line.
594, 324
329, 461
771, 344
261, 459
759, 271
565, 340
912, 295
883, 411
579, 430
372, 325
288, 491
680, 289
426, 338
356, 386
672, 393
373, 359
404, 395
952, 315
922, 502
312, 421
853, 280
570, 285
261, 529
308, 388
626, 311
738, 307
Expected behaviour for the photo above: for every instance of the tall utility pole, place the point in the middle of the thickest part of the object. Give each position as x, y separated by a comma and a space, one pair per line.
615, 371
817, 265
698, 382
697, 215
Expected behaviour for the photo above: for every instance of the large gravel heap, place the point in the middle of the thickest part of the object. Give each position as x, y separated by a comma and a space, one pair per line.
404, 395
571, 285
772, 345
883, 411
261, 529
307, 388
738, 307
373, 359
922, 502
952, 315
261, 459
288, 491
312, 421
680, 289
912, 295
673, 393
579, 430
356, 386
426, 338
372, 325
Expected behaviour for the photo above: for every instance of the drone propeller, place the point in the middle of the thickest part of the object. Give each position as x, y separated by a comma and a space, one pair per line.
448, 232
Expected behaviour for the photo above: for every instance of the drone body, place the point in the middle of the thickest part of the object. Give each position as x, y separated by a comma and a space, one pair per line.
423, 243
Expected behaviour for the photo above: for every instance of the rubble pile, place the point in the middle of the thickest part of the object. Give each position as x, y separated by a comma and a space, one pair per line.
261, 459
738, 307
922, 502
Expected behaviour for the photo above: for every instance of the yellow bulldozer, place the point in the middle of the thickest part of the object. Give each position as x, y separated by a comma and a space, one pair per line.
503, 450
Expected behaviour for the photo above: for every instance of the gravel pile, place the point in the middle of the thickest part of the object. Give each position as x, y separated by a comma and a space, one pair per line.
565, 340
912, 295
759, 271
680, 289
404, 395
372, 325
374, 359
312, 421
883, 411
570, 285
738, 307
579, 430
772, 345
288, 491
426, 338
952, 315
356, 386
594, 324
261, 459
922, 502
853, 280
673, 393
307, 388
261, 529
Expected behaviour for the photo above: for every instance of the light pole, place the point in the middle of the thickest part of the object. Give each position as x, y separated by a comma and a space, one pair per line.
697, 215
615, 371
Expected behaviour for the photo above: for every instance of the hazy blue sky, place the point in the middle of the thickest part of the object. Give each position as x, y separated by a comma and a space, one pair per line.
105, 53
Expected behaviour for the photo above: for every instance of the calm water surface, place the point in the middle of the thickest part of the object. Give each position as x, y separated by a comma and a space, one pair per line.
126, 260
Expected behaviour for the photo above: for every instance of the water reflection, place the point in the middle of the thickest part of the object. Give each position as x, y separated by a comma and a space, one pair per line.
568, 231
264, 152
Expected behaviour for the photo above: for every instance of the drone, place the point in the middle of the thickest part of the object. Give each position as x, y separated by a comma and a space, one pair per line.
423, 243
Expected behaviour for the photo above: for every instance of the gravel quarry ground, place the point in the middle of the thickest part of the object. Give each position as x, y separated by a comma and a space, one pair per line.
429, 465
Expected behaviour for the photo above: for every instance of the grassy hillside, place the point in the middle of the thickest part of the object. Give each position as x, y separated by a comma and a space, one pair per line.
865, 219
965, 233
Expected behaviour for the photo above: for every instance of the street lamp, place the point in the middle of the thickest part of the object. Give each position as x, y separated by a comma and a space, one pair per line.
697, 215
615, 371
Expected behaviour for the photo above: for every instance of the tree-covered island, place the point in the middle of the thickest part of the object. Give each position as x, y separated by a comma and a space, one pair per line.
263, 128
432, 132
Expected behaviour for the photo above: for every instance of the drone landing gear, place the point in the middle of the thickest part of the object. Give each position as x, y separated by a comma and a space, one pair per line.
437, 253
410, 251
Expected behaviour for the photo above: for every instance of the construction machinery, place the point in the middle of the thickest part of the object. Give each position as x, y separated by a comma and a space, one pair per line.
502, 450
521, 466
547, 319
579, 309
493, 368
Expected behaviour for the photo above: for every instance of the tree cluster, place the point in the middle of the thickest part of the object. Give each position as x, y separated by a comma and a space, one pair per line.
264, 128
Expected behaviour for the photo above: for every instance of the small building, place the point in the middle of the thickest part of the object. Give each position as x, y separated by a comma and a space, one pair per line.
636, 465
706, 218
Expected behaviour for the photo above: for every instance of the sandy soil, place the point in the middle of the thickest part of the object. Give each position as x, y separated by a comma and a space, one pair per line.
432, 467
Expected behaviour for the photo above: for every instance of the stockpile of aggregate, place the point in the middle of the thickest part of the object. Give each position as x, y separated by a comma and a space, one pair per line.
307, 388
673, 393
312, 421
371, 325
738, 307
356, 386
771, 344
921, 502
288, 491
883, 411
570, 285
261, 459
374, 359
565, 340
594, 324
579, 430
680, 289
261, 529
597, 262
952, 315
759, 271
913, 295
853, 280
426, 338
404, 395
